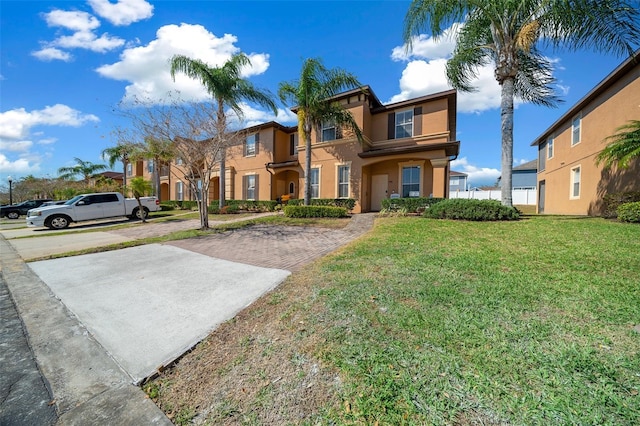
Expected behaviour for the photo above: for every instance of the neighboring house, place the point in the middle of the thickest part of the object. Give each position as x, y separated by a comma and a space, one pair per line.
117, 177
524, 176
457, 181
569, 181
407, 148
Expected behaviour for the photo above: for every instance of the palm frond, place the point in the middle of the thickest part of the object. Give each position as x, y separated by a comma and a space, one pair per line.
623, 148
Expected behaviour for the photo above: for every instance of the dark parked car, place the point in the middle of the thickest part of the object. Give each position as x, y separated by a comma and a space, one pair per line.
16, 210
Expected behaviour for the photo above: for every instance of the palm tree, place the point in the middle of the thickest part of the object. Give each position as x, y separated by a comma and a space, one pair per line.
312, 94
121, 152
623, 148
508, 33
160, 152
140, 188
85, 168
228, 89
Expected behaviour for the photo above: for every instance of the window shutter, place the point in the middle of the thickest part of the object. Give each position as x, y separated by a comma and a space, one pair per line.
417, 121
391, 129
244, 187
257, 143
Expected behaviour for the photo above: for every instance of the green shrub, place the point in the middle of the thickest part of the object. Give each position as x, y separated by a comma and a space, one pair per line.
410, 204
252, 205
347, 203
629, 212
613, 201
463, 209
315, 211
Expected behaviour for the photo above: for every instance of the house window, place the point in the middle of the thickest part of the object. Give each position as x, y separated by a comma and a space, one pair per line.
250, 187
129, 169
411, 181
575, 182
315, 183
250, 145
343, 181
404, 124
179, 191
550, 148
150, 166
292, 188
293, 144
328, 131
179, 161
575, 130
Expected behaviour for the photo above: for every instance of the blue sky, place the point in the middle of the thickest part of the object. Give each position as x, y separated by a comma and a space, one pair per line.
66, 64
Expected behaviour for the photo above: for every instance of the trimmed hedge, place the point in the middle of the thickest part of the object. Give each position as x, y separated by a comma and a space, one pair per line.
477, 210
613, 201
347, 203
315, 211
251, 205
412, 205
629, 212
179, 205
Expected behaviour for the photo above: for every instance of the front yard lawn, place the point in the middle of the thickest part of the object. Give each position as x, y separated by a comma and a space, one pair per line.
433, 322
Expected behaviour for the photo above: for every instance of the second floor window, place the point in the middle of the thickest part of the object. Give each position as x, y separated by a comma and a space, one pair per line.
575, 130
129, 169
328, 132
293, 144
550, 148
404, 124
150, 166
250, 145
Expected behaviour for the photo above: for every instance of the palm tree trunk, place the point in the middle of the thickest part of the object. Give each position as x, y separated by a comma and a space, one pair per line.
506, 117
307, 168
124, 178
221, 180
222, 123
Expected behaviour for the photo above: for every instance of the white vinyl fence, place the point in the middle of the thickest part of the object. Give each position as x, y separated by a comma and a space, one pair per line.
519, 196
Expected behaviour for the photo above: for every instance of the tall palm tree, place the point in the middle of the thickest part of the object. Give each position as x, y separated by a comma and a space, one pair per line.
623, 148
508, 33
312, 94
228, 89
123, 152
85, 168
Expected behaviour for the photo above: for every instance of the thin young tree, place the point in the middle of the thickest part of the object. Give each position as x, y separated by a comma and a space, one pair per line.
312, 95
141, 188
510, 34
86, 169
623, 147
228, 89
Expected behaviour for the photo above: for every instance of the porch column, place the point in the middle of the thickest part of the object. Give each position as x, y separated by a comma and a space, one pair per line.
440, 177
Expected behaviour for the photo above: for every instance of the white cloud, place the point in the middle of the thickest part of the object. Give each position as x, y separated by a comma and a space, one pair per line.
72, 20
477, 175
20, 166
17, 123
123, 12
253, 116
88, 40
15, 146
51, 53
147, 67
426, 47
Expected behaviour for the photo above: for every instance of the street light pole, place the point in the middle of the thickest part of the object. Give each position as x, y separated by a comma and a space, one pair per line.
10, 190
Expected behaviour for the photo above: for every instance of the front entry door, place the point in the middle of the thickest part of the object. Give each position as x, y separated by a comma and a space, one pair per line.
379, 188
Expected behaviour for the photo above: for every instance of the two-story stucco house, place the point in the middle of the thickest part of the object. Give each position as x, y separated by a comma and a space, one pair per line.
406, 150
569, 181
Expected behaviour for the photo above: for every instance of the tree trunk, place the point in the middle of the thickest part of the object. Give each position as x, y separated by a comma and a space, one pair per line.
156, 175
221, 180
307, 168
124, 179
506, 117
204, 205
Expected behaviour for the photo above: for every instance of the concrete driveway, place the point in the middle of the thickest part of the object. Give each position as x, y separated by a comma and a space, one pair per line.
147, 305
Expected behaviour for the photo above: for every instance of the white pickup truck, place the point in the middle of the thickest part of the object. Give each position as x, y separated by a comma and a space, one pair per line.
90, 207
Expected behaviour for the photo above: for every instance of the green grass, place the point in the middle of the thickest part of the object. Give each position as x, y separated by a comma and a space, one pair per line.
442, 322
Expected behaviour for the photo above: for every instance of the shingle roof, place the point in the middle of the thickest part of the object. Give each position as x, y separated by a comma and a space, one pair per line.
530, 165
